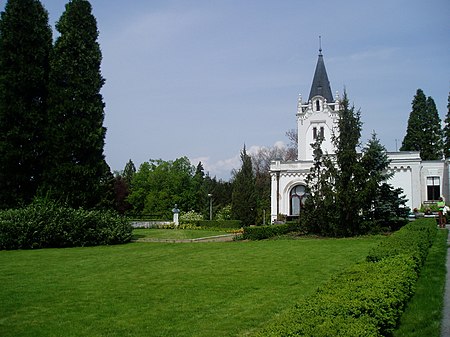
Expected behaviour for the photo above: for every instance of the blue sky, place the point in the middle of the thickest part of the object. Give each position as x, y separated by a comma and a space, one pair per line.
201, 78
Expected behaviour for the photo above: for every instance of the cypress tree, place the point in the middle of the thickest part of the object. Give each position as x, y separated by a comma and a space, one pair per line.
77, 172
243, 200
447, 131
25, 45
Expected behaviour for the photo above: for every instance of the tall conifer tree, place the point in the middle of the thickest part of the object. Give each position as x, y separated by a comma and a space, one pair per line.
243, 202
414, 132
423, 132
432, 148
447, 131
77, 170
25, 45
347, 160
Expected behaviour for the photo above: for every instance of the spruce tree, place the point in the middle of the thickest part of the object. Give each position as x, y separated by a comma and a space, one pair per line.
432, 148
25, 45
348, 170
423, 132
374, 169
128, 172
414, 132
447, 131
77, 171
319, 215
243, 203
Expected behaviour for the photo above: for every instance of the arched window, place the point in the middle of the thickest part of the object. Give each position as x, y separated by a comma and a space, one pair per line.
317, 105
296, 196
314, 133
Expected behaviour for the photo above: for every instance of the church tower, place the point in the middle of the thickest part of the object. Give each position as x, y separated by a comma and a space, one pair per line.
318, 116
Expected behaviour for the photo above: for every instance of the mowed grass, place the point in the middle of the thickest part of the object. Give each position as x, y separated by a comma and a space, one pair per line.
173, 234
423, 314
160, 289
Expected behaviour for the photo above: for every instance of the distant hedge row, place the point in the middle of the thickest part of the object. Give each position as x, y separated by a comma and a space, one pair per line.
45, 224
366, 299
232, 224
265, 232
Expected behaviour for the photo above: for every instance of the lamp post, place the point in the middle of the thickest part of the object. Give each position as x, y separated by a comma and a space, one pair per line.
210, 206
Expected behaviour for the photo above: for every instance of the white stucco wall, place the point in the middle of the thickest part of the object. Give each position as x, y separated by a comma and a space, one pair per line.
410, 174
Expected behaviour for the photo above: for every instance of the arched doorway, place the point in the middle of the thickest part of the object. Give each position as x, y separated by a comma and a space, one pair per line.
295, 197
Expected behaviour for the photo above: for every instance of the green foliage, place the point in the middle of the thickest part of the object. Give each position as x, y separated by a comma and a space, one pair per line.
423, 315
243, 203
223, 224
25, 46
46, 224
424, 132
447, 131
189, 217
414, 239
183, 290
265, 232
365, 300
224, 213
158, 185
348, 193
76, 171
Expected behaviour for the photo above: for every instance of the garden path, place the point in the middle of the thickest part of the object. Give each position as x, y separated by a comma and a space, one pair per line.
217, 238
445, 326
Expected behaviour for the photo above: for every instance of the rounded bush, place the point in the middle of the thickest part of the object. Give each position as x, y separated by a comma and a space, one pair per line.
47, 224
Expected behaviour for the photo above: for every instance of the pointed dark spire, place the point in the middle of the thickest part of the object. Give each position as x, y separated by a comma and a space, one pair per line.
320, 85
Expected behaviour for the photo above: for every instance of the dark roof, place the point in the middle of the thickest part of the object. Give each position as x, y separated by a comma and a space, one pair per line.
321, 85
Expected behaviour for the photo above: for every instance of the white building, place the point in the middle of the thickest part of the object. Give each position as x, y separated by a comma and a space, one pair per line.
421, 181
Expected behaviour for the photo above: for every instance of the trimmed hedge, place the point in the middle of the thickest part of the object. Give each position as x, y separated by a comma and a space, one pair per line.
45, 224
366, 299
265, 232
414, 239
232, 224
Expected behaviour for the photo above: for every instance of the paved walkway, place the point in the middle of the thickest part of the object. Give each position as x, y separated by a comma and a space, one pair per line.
445, 327
217, 238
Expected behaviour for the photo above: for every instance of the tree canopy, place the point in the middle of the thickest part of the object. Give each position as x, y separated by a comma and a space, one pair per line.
76, 171
25, 46
348, 192
447, 131
424, 132
243, 203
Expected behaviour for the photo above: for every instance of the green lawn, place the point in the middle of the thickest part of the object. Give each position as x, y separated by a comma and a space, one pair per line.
175, 234
161, 289
424, 312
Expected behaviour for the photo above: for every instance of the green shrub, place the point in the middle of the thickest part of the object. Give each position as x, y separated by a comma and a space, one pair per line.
414, 239
365, 300
212, 224
232, 224
265, 232
46, 224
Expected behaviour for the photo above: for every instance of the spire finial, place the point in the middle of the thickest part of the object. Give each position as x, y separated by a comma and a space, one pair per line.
320, 45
